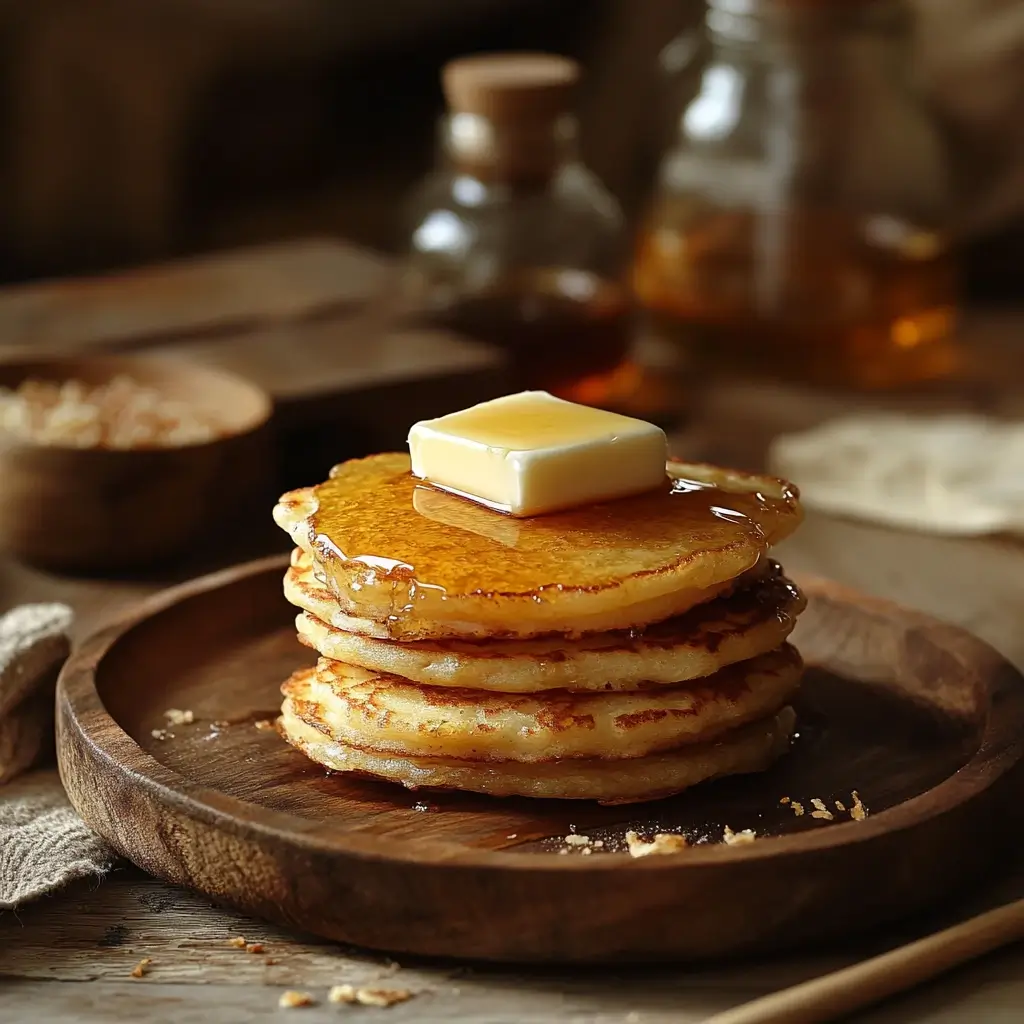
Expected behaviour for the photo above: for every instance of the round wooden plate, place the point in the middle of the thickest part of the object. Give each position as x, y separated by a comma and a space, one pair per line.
925, 722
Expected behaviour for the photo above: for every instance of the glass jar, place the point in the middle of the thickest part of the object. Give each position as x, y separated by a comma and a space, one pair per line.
799, 224
513, 241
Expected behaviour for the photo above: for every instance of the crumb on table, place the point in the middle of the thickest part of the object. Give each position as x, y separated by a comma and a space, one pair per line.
176, 716
142, 967
366, 995
291, 999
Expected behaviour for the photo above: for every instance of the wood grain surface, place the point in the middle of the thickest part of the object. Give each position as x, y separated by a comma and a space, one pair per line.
311, 321
69, 957
923, 721
225, 292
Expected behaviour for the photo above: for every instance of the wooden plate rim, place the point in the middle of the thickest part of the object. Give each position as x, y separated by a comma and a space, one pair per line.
79, 700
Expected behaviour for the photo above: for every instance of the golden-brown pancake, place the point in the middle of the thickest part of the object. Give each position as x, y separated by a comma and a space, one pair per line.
749, 748
755, 618
372, 711
409, 562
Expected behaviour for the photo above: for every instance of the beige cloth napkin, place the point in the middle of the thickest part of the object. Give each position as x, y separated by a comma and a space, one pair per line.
43, 843
950, 474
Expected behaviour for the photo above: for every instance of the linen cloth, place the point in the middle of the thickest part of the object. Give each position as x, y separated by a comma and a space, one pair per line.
43, 843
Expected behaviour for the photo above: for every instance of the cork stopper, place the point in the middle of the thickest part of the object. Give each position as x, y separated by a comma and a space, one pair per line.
506, 87
510, 115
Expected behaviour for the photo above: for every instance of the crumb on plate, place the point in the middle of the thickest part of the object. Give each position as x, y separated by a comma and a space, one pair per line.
858, 811
663, 842
821, 811
730, 838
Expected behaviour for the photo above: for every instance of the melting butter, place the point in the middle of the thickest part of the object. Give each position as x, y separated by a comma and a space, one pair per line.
532, 453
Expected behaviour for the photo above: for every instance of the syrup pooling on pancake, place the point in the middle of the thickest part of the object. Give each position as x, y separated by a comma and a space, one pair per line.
427, 563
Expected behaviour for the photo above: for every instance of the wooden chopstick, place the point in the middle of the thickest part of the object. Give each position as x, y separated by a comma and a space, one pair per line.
860, 985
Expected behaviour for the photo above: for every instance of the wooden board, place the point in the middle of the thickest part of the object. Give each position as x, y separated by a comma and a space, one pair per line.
196, 297
924, 721
315, 322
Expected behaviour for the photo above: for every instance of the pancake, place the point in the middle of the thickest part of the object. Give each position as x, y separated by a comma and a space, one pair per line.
755, 618
750, 748
408, 562
386, 714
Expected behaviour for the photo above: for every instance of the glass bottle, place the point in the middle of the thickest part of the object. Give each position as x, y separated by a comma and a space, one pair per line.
513, 240
799, 224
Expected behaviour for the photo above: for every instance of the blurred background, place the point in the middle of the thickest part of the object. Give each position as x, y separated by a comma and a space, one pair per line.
812, 193
131, 132
790, 232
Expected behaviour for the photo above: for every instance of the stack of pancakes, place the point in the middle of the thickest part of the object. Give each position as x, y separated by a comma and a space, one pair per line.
620, 652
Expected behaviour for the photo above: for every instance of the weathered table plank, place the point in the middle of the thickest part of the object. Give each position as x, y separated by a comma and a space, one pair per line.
69, 957
89, 940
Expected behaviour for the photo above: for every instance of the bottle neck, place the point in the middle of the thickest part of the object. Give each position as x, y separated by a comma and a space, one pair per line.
777, 26
520, 152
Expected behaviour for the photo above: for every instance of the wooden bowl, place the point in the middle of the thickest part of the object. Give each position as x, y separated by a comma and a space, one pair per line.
104, 509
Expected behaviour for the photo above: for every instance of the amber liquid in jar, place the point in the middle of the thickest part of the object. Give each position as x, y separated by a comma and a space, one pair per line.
566, 331
807, 295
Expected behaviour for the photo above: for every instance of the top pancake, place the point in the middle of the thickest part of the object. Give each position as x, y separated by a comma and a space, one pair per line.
417, 563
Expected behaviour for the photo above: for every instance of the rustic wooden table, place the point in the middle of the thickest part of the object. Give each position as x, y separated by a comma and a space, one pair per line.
69, 957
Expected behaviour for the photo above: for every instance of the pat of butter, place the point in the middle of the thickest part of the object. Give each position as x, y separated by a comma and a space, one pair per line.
532, 453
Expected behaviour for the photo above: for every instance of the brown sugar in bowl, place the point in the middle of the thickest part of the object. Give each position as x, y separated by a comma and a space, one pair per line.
103, 508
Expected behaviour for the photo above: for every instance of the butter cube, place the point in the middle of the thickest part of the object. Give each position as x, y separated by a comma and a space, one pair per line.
532, 453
